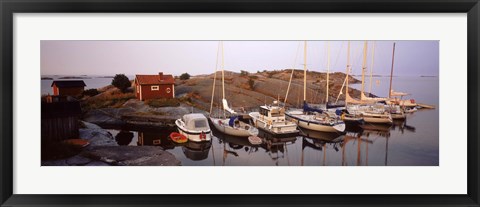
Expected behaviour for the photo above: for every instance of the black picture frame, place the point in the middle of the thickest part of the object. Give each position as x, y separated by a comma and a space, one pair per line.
10, 7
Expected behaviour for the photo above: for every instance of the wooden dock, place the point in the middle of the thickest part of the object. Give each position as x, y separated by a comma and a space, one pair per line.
426, 106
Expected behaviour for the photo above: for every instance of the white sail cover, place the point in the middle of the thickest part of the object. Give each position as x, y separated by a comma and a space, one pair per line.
395, 93
226, 107
365, 98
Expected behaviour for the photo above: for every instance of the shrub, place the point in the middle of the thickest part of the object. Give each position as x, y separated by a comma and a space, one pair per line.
243, 73
107, 100
121, 82
251, 83
185, 76
91, 92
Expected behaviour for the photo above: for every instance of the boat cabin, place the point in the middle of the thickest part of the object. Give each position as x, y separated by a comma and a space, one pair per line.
196, 122
272, 111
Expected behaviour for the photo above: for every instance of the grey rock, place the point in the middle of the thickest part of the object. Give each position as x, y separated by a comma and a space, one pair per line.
90, 125
97, 163
131, 155
97, 137
78, 160
61, 162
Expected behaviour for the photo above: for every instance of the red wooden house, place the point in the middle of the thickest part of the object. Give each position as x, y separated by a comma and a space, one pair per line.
154, 86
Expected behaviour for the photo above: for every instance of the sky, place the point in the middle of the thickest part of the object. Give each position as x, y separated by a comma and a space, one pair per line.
65, 57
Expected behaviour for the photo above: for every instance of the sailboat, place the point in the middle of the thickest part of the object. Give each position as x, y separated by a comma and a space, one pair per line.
396, 112
366, 108
398, 101
231, 126
313, 118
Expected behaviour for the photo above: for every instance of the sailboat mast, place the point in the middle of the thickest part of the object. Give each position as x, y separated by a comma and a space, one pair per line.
223, 79
391, 71
328, 70
364, 65
305, 71
214, 79
371, 69
348, 71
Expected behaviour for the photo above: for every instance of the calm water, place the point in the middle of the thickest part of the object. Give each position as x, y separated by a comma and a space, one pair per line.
410, 143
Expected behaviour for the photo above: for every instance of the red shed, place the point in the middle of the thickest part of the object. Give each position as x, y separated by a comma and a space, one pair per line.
154, 86
68, 87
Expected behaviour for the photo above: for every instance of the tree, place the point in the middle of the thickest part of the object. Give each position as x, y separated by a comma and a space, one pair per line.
91, 92
243, 73
121, 82
185, 76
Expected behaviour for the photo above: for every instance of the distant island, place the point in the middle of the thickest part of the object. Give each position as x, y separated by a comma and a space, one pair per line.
47, 78
75, 77
428, 76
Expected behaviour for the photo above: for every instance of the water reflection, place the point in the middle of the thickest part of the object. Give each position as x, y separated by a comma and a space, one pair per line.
196, 150
124, 137
406, 142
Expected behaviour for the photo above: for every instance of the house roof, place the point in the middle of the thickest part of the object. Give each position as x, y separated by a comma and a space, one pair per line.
154, 79
69, 83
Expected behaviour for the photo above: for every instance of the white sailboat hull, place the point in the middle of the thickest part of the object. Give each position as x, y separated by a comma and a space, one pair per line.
244, 131
304, 122
377, 119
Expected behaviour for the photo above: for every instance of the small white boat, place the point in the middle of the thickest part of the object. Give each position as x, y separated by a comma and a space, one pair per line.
410, 110
272, 120
195, 127
232, 126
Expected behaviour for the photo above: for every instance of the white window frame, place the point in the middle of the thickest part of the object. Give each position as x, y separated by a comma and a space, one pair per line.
155, 88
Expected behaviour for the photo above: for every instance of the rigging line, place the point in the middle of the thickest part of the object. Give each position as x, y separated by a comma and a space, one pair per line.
214, 79
338, 55
371, 68
293, 70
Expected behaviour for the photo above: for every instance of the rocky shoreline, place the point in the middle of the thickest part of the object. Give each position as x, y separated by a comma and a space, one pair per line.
104, 151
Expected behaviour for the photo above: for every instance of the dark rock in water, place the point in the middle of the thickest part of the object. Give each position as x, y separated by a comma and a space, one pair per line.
131, 155
97, 137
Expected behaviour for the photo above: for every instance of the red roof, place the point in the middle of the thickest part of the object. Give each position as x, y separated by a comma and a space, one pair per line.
154, 79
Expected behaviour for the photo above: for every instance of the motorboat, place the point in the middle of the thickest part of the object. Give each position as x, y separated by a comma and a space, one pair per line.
271, 118
195, 127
